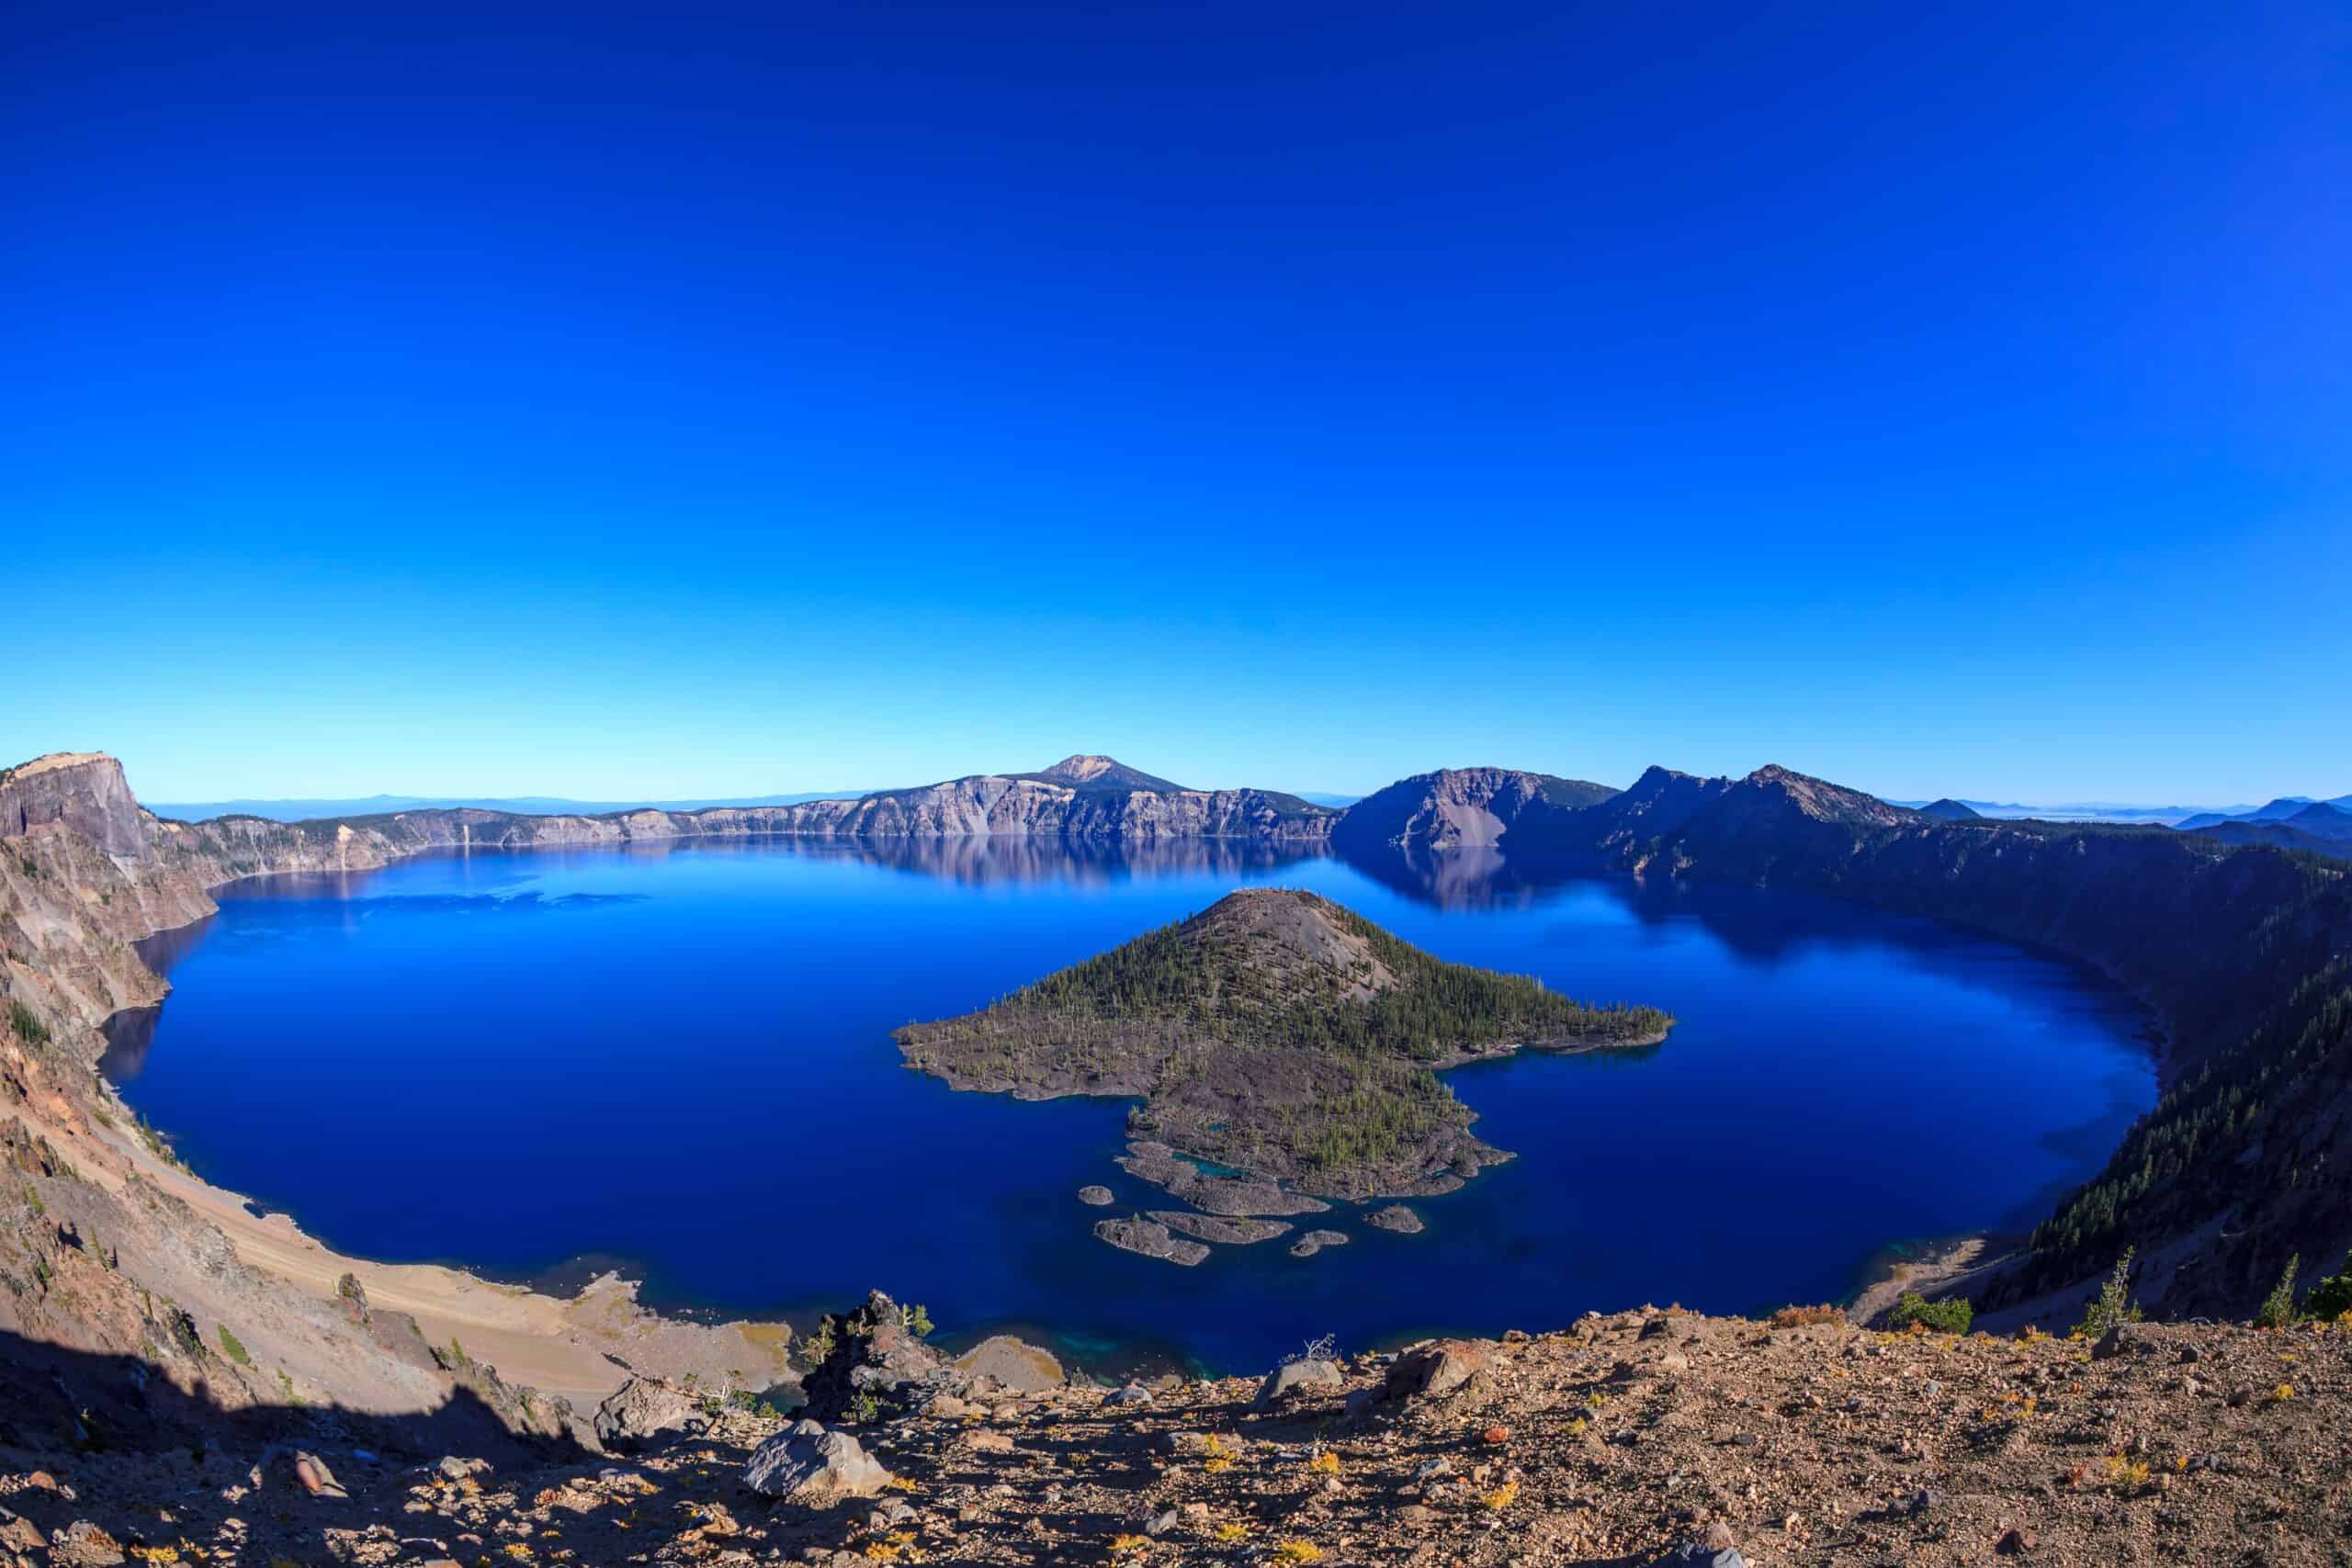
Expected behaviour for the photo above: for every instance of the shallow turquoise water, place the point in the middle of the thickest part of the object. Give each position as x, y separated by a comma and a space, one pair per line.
678, 1058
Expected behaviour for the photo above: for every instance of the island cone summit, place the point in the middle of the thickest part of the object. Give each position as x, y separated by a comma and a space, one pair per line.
1279, 1035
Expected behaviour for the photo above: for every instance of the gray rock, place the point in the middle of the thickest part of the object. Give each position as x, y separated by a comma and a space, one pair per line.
1134, 1394
643, 1411
84, 1545
810, 1465
2119, 1340
1397, 1218
1699, 1554
1293, 1376
1439, 1367
295, 1470
20, 1534
1314, 1242
1097, 1196
311, 1474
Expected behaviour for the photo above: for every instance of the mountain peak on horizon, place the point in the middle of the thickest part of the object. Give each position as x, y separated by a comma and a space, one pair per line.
1087, 770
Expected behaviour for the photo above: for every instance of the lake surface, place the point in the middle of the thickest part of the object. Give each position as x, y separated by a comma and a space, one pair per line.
677, 1059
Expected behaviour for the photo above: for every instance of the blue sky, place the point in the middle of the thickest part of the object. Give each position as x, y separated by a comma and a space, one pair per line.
684, 401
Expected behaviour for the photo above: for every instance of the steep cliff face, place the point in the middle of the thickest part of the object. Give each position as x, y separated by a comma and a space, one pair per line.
83, 790
1456, 808
1097, 808
2247, 954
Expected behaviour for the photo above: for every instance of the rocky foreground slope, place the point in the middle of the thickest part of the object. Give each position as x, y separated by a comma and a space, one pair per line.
1649, 1437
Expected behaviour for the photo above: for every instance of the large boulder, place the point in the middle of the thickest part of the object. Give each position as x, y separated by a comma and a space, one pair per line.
644, 1411
1437, 1367
1297, 1377
811, 1464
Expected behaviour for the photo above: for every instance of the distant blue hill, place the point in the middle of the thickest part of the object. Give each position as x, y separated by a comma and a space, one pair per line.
1314, 797
2078, 811
528, 805
2323, 827
2279, 810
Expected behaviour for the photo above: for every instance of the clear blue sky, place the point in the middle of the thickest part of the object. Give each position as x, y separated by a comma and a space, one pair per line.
676, 401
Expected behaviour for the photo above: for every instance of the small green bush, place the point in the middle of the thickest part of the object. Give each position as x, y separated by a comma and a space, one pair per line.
1952, 1316
2279, 1306
2332, 1297
26, 1024
2114, 1306
232, 1347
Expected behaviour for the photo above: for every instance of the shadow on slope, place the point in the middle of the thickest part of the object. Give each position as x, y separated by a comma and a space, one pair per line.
57, 1400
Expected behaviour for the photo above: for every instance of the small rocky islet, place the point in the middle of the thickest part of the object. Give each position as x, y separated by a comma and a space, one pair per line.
1284, 1053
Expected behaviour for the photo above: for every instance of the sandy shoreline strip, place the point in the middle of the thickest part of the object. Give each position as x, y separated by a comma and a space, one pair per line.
560, 1347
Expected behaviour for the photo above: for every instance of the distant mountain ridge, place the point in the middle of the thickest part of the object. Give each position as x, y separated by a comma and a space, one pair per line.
299, 810
1085, 794
2320, 827
2280, 810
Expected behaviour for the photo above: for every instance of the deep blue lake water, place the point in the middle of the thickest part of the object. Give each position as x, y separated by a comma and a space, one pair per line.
678, 1057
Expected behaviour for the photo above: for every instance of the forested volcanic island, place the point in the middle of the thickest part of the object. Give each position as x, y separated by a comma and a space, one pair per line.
1284, 1051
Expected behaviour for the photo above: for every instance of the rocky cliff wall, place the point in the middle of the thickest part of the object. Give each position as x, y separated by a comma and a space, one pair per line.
83, 790
1455, 808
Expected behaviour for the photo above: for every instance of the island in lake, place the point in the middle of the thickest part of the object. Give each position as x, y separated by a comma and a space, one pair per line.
1284, 1050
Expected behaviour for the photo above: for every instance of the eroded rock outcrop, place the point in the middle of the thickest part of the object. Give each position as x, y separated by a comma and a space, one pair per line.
878, 1363
1455, 808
